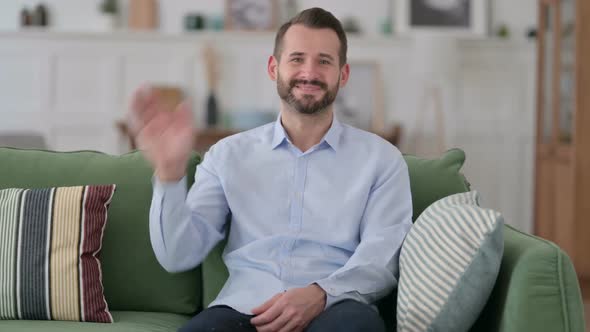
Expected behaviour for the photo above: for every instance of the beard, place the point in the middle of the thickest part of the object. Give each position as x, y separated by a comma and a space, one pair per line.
307, 103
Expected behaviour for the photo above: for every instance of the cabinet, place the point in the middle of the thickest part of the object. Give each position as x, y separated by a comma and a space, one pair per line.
562, 158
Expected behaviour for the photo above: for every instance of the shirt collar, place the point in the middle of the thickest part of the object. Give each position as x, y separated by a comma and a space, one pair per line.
332, 137
279, 135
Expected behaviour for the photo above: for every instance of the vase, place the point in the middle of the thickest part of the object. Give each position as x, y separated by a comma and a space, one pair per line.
212, 110
143, 14
105, 22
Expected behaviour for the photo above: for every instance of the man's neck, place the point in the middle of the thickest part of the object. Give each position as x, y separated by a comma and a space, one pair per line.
306, 130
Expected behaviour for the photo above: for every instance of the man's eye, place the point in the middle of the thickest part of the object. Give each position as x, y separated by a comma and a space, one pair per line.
324, 62
296, 60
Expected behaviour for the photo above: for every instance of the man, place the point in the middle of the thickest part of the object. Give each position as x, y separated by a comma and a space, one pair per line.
318, 209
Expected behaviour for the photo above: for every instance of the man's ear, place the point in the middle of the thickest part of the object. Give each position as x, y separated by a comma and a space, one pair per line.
344, 75
272, 67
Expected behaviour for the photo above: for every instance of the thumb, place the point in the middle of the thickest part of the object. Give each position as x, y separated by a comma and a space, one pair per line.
262, 308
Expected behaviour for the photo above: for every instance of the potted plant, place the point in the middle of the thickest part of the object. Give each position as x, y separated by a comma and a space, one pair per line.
109, 10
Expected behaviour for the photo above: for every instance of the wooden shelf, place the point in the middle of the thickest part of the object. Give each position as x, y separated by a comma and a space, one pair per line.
248, 37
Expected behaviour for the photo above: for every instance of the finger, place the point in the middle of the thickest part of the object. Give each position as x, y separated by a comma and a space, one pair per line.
153, 130
291, 326
184, 107
138, 122
181, 129
262, 308
269, 315
143, 96
160, 123
183, 116
276, 325
143, 107
139, 102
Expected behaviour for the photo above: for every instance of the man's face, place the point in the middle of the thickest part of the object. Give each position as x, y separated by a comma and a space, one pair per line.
309, 74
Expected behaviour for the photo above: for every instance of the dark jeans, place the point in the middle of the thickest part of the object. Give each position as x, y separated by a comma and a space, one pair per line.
345, 316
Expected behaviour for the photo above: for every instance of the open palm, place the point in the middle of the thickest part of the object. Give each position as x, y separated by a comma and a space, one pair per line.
165, 136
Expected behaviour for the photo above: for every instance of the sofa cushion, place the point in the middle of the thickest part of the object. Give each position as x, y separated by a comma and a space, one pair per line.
50, 239
448, 265
124, 321
433, 179
133, 280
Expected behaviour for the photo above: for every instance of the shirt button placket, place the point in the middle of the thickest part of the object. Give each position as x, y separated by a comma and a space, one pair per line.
293, 203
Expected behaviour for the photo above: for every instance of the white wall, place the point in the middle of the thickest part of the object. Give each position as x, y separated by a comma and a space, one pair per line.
75, 14
489, 112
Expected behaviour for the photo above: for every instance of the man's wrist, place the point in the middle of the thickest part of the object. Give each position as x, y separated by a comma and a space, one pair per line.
170, 172
323, 293
167, 176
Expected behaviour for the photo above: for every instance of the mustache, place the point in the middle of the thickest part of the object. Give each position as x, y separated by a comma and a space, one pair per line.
321, 84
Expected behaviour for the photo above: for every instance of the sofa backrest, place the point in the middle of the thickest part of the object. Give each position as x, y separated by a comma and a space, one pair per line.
132, 278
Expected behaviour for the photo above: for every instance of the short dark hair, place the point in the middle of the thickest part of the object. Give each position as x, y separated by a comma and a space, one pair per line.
317, 18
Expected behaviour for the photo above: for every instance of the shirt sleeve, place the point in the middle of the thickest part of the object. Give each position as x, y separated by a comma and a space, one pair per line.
184, 227
372, 271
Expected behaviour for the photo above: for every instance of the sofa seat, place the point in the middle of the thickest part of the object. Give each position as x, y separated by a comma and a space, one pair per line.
125, 321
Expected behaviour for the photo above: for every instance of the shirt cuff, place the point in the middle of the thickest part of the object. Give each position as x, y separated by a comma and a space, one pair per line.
333, 297
166, 187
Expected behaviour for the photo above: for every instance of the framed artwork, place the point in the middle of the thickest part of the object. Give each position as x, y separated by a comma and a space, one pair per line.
459, 17
251, 15
360, 102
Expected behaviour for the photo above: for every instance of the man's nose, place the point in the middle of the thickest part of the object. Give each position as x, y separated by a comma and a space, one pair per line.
309, 71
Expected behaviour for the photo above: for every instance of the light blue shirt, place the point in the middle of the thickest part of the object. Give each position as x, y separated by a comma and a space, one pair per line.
335, 215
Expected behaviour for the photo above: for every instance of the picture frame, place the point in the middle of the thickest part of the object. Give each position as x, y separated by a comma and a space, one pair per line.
360, 102
251, 15
459, 17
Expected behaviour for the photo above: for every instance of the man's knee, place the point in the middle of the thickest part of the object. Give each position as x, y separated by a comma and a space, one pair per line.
350, 316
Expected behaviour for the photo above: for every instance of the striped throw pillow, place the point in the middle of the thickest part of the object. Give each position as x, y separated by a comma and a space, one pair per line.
449, 263
49, 244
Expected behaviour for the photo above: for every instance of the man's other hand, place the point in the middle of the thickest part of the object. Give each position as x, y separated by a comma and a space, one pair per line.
290, 311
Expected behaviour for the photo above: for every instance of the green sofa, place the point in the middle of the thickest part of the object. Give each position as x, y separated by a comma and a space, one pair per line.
536, 289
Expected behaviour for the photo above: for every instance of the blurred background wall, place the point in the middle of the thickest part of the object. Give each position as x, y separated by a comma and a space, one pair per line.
71, 81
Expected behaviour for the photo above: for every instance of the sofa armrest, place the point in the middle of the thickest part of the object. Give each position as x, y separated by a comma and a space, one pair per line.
536, 290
